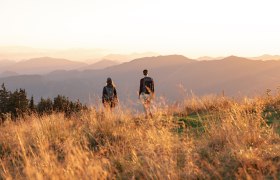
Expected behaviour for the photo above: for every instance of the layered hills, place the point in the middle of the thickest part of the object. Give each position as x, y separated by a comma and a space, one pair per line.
175, 77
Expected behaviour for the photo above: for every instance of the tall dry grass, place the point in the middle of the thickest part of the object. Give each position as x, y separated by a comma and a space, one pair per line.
232, 141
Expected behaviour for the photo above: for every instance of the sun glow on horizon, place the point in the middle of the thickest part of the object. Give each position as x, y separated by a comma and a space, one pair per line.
193, 28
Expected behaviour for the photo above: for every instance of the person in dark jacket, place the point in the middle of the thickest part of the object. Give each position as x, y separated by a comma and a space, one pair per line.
146, 92
109, 95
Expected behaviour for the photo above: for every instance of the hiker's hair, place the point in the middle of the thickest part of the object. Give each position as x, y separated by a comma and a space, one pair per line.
110, 81
145, 71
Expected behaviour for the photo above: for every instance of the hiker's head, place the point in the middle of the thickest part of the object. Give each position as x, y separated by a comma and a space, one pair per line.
109, 81
145, 72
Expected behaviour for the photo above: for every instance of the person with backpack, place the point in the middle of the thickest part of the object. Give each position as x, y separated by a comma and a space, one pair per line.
109, 95
146, 92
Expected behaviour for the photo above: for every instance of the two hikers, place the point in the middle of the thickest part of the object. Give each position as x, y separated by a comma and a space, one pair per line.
146, 93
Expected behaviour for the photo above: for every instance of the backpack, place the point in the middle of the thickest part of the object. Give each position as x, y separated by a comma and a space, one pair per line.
147, 85
110, 93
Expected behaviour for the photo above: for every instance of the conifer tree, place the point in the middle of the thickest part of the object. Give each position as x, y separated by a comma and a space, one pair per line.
60, 103
18, 103
4, 100
31, 106
45, 106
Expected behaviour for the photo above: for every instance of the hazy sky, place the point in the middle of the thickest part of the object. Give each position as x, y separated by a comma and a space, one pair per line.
190, 27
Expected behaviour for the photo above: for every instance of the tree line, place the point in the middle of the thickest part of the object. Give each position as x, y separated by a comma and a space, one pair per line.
16, 104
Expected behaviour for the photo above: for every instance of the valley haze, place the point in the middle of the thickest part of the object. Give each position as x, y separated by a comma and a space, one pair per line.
175, 76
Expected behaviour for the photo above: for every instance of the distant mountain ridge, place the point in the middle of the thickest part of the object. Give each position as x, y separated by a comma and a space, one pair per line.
8, 73
266, 57
233, 75
100, 65
4, 64
87, 55
43, 65
154, 62
208, 58
129, 57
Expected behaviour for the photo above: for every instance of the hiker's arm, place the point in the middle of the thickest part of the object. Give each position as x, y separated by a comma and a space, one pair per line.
153, 86
152, 89
103, 94
140, 87
115, 93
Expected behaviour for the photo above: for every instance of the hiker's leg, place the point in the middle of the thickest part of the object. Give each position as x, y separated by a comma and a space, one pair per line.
148, 106
149, 112
107, 106
111, 105
145, 100
146, 109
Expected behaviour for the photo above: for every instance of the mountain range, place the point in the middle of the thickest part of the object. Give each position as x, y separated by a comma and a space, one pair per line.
87, 55
44, 65
267, 57
100, 64
175, 77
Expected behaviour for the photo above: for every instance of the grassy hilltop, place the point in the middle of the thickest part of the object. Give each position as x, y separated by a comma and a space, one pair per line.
205, 138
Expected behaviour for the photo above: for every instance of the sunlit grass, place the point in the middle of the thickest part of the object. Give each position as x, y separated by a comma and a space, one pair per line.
202, 138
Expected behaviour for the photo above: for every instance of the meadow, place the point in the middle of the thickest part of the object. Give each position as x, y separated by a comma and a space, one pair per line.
201, 138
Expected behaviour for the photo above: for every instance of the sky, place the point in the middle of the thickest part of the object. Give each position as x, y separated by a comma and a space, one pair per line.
189, 27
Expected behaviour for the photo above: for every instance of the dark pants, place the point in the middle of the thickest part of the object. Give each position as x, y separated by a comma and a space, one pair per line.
109, 103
